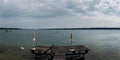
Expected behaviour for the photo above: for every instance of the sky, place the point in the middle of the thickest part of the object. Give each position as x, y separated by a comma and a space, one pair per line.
59, 13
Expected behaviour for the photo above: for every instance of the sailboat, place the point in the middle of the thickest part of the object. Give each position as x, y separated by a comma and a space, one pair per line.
7, 29
71, 39
33, 41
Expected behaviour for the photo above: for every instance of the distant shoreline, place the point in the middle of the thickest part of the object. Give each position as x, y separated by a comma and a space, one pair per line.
104, 28
11, 29
81, 29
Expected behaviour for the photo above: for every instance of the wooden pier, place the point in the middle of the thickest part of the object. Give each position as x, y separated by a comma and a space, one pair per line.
59, 52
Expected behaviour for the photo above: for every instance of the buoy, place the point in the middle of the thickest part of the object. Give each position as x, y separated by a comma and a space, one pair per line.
22, 48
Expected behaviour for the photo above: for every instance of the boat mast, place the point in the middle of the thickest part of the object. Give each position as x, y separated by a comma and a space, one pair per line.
33, 39
71, 39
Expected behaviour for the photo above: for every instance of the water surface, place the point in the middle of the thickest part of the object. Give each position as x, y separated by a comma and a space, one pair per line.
103, 44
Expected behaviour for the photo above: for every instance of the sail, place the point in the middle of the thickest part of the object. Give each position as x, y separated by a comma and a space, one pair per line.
33, 36
33, 39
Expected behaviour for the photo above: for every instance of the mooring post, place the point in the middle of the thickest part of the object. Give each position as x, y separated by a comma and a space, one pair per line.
83, 57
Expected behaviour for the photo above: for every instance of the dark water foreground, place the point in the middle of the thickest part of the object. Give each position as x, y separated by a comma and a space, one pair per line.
13, 53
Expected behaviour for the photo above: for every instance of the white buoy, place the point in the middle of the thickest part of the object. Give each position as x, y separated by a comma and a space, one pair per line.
22, 48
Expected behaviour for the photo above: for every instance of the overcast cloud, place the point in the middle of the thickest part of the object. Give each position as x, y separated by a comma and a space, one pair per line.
59, 13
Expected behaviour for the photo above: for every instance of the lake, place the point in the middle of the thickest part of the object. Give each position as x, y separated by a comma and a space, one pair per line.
103, 44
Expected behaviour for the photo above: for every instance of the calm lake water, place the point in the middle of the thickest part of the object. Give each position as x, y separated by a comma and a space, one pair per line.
103, 44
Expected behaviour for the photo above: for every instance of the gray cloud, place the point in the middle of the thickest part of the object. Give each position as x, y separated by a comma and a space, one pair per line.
52, 8
31, 8
59, 13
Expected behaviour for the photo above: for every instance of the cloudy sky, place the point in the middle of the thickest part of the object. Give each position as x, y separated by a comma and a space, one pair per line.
59, 13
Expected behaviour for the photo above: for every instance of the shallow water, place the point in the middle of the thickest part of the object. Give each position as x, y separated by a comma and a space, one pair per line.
103, 44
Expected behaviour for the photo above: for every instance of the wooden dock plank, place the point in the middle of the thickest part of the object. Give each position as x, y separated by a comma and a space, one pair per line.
61, 52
